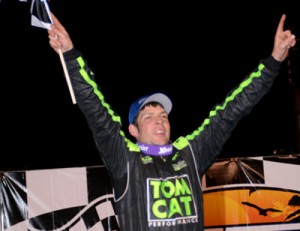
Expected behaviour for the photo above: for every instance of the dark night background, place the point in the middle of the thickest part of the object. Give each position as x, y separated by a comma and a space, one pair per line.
195, 53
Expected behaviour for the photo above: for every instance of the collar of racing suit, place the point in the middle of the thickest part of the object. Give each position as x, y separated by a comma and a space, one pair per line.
156, 150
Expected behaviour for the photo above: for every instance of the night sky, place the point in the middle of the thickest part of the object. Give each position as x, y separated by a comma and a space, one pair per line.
194, 53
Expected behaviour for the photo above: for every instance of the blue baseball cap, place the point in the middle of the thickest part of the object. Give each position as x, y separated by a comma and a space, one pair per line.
139, 103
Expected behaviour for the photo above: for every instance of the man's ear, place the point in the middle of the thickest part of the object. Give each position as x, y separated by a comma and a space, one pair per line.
133, 130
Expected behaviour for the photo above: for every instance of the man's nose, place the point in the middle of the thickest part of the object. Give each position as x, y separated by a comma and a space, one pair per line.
159, 120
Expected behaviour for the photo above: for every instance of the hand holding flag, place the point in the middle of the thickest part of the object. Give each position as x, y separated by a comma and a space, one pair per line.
59, 37
42, 17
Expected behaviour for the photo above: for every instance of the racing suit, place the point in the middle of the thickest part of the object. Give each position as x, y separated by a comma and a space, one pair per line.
152, 193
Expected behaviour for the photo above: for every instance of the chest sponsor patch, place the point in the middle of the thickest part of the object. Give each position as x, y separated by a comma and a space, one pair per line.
170, 202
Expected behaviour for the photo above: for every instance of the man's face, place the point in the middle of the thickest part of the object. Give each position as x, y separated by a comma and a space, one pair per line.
153, 126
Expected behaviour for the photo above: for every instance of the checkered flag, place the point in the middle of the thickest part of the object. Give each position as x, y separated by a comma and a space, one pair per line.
69, 199
40, 14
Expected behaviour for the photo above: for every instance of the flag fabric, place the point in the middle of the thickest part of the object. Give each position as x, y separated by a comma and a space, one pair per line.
62, 199
40, 14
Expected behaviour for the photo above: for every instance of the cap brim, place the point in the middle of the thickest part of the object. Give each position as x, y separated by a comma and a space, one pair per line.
160, 98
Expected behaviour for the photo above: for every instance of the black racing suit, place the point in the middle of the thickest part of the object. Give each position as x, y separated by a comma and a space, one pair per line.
152, 193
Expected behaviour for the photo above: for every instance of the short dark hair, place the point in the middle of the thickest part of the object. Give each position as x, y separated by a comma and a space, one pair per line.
154, 104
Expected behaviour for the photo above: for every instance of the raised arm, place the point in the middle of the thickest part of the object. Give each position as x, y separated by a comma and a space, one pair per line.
283, 41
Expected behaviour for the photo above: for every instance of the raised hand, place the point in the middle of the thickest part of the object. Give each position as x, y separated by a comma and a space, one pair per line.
283, 41
59, 37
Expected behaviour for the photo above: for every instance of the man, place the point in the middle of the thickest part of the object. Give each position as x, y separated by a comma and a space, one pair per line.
157, 184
